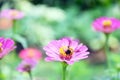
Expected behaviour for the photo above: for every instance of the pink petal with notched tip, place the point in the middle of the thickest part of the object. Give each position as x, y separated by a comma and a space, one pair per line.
73, 44
64, 42
52, 59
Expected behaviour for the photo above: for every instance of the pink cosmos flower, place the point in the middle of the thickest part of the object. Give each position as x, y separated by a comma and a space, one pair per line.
11, 14
30, 53
65, 50
6, 45
106, 25
26, 65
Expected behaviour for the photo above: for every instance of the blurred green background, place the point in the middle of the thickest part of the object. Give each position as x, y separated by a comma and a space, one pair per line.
46, 20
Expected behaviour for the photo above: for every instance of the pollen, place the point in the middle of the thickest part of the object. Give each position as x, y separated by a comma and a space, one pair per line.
66, 52
62, 50
1, 49
14, 13
31, 53
0, 44
107, 23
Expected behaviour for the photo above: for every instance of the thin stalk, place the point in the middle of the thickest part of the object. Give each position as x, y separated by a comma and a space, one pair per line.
117, 72
107, 51
30, 75
117, 78
0, 71
14, 27
1, 75
64, 67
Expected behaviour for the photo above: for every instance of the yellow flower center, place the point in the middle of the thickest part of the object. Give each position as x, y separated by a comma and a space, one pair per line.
14, 13
1, 49
66, 52
107, 23
31, 53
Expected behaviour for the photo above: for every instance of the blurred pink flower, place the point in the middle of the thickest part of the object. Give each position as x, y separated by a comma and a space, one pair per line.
30, 53
26, 65
11, 14
106, 25
66, 50
6, 45
5, 23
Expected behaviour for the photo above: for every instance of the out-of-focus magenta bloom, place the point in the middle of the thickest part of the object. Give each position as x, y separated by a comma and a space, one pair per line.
30, 53
26, 65
106, 25
65, 50
5, 23
6, 45
11, 14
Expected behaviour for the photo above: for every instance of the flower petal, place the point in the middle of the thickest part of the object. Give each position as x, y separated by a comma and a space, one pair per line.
73, 44
52, 47
64, 42
79, 58
52, 59
8, 43
52, 54
1, 39
81, 48
69, 62
80, 54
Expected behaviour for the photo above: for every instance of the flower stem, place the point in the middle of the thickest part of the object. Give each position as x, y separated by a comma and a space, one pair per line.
30, 75
0, 71
14, 26
107, 50
64, 66
117, 78
1, 74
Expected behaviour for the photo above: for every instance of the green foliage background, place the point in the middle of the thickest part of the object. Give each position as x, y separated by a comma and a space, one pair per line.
46, 20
